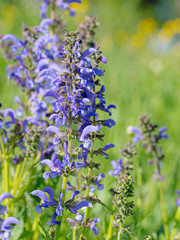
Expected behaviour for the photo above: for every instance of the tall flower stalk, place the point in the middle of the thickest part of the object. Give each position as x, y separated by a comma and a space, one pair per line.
150, 138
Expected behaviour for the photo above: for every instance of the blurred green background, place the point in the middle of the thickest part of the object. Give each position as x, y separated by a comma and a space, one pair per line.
141, 40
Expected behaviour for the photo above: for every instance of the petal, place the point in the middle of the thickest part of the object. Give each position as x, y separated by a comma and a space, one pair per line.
82, 204
3, 210
49, 163
50, 192
50, 93
74, 194
88, 52
73, 1
5, 195
9, 37
79, 217
45, 23
53, 116
103, 60
39, 209
100, 176
108, 146
40, 194
53, 129
9, 112
88, 130
8, 221
109, 123
98, 71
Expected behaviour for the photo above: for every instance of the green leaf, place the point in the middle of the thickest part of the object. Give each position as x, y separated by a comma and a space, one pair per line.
23, 189
43, 233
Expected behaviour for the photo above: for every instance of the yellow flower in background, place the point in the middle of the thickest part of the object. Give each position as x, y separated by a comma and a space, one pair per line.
176, 25
165, 35
138, 40
147, 26
8, 14
120, 37
80, 8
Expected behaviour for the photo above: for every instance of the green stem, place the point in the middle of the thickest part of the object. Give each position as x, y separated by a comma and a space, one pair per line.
17, 183
65, 178
165, 219
5, 171
74, 233
110, 232
176, 222
120, 232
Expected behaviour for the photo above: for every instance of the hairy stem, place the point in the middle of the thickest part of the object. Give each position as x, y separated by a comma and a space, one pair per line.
120, 232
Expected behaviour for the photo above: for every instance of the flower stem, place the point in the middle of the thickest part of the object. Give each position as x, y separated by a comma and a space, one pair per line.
17, 183
74, 233
64, 183
120, 232
53, 11
5, 171
165, 219
89, 179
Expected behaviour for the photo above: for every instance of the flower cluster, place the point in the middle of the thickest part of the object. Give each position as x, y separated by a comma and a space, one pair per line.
5, 224
150, 138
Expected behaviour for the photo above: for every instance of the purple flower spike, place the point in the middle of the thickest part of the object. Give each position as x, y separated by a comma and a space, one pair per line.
178, 199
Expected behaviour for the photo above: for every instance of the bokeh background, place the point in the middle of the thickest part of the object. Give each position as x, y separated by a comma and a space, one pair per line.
141, 40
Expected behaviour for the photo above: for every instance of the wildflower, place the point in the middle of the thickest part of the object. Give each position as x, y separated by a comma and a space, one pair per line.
117, 168
3, 209
46, 203
5, 227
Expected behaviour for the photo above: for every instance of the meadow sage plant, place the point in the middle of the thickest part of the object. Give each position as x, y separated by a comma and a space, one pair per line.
52, 145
